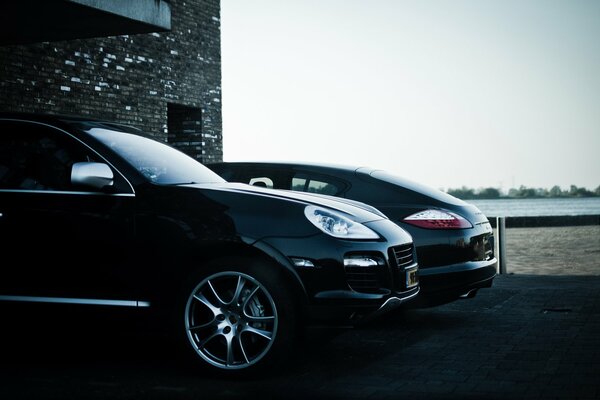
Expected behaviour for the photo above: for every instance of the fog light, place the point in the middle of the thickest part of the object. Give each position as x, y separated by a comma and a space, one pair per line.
302, 263
361, 261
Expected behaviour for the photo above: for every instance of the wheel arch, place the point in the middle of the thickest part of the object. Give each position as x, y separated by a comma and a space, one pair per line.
193, 258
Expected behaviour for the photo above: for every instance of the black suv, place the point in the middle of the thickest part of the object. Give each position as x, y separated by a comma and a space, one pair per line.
94, 213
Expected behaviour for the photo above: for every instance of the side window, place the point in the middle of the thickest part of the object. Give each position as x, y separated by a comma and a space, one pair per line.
303, 182
299, 184
34, 157
315, 186
273, 178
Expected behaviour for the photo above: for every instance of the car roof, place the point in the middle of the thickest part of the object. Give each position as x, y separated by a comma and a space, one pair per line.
375, 173
42, 117
60, 119
306, 165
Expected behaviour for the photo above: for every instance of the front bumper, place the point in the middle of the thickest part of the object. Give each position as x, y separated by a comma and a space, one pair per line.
348, 306
339, 293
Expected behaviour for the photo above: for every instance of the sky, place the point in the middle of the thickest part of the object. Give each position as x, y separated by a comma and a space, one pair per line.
450, 93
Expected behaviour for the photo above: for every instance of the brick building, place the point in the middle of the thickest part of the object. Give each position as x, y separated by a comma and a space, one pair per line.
166, 82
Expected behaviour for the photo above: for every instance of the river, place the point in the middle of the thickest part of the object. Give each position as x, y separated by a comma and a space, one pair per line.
538, 207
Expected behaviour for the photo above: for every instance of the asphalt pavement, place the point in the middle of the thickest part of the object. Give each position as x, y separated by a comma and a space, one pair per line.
527, 337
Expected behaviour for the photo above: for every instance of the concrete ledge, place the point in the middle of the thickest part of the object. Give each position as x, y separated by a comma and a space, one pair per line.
32, 21
151, 12
547, 221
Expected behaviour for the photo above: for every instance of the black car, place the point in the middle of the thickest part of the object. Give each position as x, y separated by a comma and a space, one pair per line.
453, 239
95, 214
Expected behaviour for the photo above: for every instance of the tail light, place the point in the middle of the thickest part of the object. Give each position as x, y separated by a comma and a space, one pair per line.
437, 219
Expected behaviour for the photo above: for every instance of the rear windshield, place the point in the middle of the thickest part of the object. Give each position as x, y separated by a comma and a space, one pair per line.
417, 187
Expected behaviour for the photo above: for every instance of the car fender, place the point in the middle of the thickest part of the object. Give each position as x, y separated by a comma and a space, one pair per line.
283, 261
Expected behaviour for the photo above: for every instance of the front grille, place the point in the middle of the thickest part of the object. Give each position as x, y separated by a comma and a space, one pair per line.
403, 255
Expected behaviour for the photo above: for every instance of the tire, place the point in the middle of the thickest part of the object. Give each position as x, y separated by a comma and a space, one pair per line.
238, 316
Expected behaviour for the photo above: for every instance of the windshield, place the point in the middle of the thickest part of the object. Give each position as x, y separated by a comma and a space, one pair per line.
158, 162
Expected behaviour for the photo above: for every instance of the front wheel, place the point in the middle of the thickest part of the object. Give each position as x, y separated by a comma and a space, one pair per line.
239, 317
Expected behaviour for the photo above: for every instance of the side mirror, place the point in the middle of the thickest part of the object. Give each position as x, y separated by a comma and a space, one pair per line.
92, 174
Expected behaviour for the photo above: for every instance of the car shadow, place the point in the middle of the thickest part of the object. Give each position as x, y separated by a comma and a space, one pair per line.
58, 357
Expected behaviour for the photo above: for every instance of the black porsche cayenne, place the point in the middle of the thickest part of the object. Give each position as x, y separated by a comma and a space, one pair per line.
94, 213
453, 239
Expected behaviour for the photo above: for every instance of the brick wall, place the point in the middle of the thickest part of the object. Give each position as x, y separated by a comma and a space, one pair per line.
130, 79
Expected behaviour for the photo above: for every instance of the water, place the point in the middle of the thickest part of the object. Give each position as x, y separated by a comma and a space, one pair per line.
538, 207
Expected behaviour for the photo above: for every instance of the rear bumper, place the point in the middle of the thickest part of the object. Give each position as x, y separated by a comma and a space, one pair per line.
444, 284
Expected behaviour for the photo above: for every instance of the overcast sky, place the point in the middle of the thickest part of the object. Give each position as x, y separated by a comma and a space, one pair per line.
449, 93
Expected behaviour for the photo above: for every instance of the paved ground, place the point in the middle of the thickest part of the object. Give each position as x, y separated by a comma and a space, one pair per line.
565, 250
527, 337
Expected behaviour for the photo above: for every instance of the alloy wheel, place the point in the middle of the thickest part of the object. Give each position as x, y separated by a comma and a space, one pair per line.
231, 320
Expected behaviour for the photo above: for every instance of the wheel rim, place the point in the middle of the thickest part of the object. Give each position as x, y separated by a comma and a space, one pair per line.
231, 320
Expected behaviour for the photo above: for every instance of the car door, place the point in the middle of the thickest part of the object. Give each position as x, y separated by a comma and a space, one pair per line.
60, 242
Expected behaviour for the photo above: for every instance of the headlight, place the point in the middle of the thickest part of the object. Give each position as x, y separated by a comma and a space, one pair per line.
338, 225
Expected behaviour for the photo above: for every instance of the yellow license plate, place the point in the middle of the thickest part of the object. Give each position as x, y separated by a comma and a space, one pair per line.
412, 277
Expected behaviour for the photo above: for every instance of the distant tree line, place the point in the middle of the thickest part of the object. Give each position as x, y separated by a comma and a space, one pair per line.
522, 192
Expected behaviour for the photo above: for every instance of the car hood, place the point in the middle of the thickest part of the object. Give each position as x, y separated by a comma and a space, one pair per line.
359, 212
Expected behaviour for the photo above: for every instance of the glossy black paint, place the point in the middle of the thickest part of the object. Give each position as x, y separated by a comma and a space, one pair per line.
139, 240
453, 262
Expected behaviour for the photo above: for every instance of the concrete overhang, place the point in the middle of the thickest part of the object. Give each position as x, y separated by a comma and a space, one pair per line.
31, 21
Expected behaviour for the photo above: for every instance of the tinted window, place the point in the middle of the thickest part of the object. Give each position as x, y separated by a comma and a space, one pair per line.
158, 162
35, 157
299, 184
304, 182
271, 177
315, 186
416, 187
